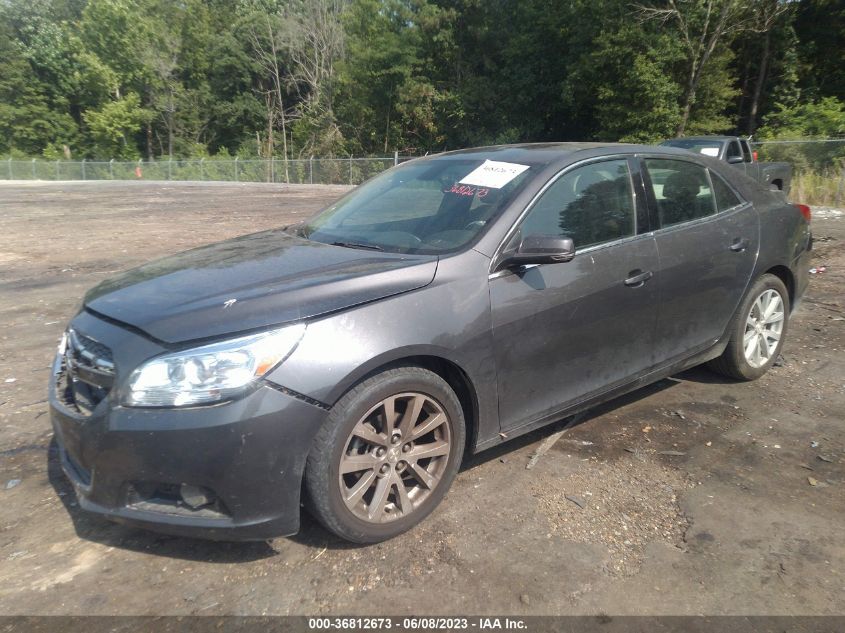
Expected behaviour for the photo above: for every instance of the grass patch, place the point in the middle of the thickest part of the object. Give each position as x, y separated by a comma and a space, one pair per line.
826, 189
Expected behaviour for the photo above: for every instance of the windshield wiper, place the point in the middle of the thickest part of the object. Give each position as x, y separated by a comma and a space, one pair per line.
368, 247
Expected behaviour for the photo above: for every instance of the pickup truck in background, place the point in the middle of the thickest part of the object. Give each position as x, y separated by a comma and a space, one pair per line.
736, 151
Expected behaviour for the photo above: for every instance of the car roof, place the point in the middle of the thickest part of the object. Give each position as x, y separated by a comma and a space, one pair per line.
530, 153
542, 154
704, 138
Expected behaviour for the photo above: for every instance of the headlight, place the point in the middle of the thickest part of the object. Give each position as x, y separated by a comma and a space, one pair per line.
210, 373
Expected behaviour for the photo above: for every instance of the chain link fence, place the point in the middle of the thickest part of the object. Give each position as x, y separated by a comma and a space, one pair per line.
818, 168
317, 171
818, 165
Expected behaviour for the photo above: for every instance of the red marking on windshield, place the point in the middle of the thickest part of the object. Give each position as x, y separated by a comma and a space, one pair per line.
467, 190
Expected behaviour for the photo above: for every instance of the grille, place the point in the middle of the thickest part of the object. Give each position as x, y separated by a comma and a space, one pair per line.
87, 373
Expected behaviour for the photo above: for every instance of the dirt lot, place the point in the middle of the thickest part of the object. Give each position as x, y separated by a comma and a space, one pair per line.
743, 515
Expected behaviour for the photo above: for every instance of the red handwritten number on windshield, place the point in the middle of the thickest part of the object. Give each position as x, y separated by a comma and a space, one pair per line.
467, 190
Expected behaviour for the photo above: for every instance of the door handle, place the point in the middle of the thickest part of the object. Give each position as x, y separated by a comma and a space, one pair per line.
637, 278
739, 244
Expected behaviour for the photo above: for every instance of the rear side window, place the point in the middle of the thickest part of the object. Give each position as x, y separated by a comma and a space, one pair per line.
746, 151
733, 150
681, 189
590, 204
725, 197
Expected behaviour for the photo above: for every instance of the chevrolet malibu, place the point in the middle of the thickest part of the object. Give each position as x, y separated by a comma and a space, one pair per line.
346, 364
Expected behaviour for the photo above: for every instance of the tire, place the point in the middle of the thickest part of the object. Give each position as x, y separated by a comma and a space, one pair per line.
419, 453
735, 362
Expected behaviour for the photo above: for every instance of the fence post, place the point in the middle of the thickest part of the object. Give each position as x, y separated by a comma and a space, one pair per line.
57, 169
10, 168
350, 169
237, 175
311, 170
395, 157
33, 169
83, 169
111, 169
202, 171
170, 168
272, 169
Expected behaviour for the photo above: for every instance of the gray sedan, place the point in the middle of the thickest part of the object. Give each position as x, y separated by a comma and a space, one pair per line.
351, 361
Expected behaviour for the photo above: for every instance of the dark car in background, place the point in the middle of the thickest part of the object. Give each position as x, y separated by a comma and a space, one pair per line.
443, 306
737, 152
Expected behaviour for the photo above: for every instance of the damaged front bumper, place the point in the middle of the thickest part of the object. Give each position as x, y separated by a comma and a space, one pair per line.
242, 461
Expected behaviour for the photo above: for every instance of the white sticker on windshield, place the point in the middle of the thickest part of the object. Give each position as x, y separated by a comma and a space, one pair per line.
493, 174
710, 151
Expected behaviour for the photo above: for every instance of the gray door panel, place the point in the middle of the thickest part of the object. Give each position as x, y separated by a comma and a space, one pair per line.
705, 268
562, 331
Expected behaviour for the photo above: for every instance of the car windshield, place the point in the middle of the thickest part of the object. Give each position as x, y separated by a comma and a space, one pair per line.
708, 148
429, 207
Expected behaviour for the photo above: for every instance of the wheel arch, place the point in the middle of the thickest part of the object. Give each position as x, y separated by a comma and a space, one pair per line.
446, 368
785, 275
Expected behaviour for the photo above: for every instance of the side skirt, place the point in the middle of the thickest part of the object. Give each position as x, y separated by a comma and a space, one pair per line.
614, 392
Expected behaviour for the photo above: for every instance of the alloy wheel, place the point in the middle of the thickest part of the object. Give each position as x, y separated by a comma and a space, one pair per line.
395, 457
763, 328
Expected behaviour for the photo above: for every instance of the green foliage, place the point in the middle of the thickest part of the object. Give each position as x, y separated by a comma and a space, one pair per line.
715, 95
822, 119
825, 118
114, 126
151, 78
636, 97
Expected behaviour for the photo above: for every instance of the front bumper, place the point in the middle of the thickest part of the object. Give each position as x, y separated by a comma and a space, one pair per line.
250, 453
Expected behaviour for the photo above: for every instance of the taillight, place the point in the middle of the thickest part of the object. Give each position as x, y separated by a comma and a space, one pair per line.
805, 211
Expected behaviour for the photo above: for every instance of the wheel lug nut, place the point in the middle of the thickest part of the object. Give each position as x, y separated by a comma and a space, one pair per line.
400, 465
406, 448
395, 439
380, 452
384, 468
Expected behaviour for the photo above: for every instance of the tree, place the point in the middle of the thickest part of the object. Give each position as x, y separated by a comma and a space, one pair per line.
315, 39
270, 54
114, 126
702, 25
28, 122
820, 26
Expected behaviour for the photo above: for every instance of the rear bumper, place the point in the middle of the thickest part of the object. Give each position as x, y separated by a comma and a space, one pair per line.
249, 453
801, 272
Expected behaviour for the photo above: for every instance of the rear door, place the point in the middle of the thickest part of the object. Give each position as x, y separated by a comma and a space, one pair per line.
707, 238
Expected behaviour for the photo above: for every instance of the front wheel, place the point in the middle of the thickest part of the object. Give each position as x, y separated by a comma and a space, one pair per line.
757, 332
386, 456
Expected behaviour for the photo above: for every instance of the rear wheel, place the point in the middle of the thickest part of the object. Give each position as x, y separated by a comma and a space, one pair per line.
758, 331
386, 456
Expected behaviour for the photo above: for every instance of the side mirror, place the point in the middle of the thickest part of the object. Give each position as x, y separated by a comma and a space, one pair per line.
540, 249
733, 160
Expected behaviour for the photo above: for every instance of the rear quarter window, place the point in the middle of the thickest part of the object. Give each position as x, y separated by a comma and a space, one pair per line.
725, 197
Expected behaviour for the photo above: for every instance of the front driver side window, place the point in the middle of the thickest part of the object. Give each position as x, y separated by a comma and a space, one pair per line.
590, 204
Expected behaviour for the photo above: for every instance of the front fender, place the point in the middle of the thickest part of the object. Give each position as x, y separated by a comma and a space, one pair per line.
448, 319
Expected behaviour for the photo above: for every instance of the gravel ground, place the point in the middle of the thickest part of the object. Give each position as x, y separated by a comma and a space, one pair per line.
700, 495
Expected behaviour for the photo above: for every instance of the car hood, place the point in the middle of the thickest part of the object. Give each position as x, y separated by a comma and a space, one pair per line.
260, 280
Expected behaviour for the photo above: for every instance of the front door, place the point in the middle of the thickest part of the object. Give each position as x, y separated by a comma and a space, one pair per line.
565, 331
